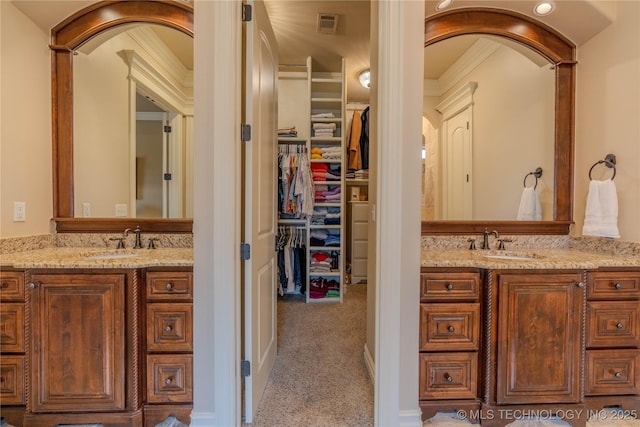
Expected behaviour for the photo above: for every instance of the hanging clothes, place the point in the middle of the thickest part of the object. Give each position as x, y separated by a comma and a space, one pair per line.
295, 183
355, 160
291, 247
364, 138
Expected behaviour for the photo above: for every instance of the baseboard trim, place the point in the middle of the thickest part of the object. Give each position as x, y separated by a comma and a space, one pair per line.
204, 419
410, 418
370, 364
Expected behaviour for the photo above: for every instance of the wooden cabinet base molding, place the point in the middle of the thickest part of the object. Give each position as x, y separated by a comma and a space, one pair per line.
111, 419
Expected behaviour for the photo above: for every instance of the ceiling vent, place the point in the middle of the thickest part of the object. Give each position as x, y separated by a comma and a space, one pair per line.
327, 23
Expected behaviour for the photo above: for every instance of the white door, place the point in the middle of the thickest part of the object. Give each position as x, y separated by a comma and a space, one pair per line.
260, 187
458, 178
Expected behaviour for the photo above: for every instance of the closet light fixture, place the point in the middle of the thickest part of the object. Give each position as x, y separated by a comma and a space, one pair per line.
443, 4
365, 78
544, 8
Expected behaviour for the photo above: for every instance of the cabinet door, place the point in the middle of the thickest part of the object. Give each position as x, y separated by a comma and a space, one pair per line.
540, 318
78, 343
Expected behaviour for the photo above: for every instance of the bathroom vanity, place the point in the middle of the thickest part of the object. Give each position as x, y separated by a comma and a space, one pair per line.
96, 337
549, 333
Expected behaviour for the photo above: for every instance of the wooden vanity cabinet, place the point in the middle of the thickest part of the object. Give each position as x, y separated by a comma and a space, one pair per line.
539, 341
12, 346
613, 340
168, 345
83, 347
449, 340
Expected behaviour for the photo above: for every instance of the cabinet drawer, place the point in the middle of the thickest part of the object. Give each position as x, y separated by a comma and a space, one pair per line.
12, 380
449, 286
169, 327
613, 372
169, 285
12, 327
613, 324
448, 375
11, 286
169, 378
449, 326
613, 285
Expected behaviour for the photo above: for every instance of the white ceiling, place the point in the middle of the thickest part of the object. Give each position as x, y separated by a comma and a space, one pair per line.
294, 23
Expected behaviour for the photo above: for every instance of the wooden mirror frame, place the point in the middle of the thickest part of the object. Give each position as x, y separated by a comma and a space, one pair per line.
561, 53
66, 37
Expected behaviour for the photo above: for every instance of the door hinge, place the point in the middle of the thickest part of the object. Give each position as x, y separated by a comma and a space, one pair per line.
246, 12
245, 368
467, 125
167, 129
245, 251
167, 176
245, 132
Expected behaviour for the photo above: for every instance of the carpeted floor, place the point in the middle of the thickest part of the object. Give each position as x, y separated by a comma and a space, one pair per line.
319, 378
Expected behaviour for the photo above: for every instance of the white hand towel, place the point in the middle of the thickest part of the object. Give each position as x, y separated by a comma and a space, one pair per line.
601, 214
529, 209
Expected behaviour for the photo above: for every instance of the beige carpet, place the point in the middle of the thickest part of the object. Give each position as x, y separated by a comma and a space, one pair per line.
319, 378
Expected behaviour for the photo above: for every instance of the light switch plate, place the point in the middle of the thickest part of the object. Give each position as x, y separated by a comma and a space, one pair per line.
19, 211
121, 210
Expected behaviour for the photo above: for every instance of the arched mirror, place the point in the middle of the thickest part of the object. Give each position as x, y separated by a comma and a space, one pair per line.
122, 115
488, 86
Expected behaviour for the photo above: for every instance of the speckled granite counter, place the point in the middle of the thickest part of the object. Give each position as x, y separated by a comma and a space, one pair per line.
80, 257
525, 259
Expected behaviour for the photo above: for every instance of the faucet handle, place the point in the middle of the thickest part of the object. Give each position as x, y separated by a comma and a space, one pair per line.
472, 244
120, 242
152, 242
501, 246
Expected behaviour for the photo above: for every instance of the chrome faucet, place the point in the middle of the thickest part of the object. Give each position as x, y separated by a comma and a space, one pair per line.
485, 238
138, 243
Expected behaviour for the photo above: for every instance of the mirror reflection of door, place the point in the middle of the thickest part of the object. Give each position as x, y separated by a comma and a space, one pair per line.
150, 159
458, 194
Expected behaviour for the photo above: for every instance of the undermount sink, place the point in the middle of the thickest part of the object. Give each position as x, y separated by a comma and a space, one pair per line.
112, 255
511, 255
516, 257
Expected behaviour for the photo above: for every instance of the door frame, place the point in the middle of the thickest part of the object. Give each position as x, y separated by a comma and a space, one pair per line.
398, 49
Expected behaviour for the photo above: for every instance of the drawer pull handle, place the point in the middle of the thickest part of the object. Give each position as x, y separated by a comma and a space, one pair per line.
617, 375
32, 285
168, 381
580, 284
451, 329
449, 287
619, 325
617, 286
1, 285
448, 378
168, 286
168, 328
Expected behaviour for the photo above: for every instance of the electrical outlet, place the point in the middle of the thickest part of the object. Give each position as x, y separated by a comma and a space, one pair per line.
121, 210
19, 211
86, 210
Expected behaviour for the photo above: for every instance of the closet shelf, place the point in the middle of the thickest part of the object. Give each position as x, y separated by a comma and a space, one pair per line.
326, 204
292, 221
289, 140
323, 226
326, 161
332, 139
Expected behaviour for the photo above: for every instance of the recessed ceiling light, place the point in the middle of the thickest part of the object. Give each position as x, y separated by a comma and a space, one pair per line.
443, 4
544, 8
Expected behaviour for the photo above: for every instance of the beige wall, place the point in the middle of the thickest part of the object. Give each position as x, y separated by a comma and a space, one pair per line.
101, 128
25, 124
607, 116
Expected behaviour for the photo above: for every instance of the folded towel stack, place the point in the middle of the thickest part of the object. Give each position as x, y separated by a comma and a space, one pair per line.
324, 129
601, 214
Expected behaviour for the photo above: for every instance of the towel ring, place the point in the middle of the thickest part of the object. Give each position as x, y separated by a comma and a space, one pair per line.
609, 161
537, 174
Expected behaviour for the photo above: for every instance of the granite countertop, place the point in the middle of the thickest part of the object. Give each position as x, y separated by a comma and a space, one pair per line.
74, 257
525, 259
